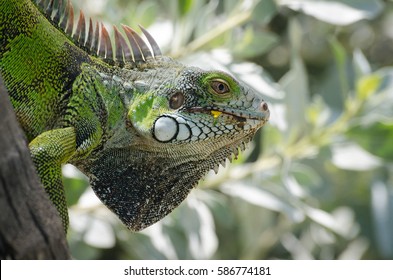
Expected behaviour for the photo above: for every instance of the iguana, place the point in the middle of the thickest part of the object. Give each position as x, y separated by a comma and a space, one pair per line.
143, 127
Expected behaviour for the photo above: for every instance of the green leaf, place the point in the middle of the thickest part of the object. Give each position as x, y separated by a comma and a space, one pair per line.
360, 63
368, 85
262, 198
294, 83
382, 207
376, 139
341, 221
350, 156
254, 43
296, 35
340, 57
264, 11
184, 6
198, 224
342, 13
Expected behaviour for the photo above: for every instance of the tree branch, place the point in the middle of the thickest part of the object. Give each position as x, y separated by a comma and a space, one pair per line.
30, 227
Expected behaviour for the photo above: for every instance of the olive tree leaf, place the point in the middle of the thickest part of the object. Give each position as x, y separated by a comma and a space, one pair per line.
337, 12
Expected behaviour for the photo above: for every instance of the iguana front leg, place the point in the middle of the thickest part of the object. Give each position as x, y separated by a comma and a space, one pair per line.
50, 150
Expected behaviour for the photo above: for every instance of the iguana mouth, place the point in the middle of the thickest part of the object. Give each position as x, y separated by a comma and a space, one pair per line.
239, 115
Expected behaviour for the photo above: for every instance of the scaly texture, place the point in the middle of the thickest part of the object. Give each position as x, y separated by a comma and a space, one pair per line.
143, 127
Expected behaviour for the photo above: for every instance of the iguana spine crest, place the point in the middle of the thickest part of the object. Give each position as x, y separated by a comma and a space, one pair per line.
96, 41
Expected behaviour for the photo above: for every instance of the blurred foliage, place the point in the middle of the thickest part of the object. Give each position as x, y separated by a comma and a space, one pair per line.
317, 182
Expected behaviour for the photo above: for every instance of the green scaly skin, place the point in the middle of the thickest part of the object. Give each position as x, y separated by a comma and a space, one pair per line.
144, 133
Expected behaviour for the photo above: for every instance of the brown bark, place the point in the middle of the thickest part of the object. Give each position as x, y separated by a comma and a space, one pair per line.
30, 227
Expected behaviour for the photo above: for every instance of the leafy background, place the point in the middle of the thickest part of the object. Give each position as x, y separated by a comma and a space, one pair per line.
316, 183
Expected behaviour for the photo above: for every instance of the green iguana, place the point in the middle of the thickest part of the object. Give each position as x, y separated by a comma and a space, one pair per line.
143, 127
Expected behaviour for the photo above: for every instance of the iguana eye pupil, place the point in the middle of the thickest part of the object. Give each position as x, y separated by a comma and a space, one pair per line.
176, 100
220, 87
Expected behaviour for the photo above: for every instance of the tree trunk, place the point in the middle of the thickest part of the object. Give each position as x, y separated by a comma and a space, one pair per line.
30, 227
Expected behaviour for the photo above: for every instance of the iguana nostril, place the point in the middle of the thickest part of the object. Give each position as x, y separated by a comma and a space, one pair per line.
263, 106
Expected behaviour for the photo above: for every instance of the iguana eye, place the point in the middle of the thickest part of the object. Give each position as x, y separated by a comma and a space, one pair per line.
220, 86
176, 100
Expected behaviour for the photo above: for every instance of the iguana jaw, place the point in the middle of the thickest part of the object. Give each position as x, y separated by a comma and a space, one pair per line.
240, 116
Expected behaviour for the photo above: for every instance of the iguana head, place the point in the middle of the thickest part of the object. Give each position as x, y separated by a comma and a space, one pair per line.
180, 122
196, 112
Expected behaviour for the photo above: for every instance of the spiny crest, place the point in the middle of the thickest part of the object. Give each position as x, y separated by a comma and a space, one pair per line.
96, 40
233, 154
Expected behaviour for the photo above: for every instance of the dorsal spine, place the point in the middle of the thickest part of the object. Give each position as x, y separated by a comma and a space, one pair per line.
129, 49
